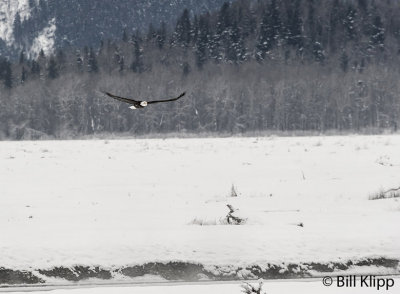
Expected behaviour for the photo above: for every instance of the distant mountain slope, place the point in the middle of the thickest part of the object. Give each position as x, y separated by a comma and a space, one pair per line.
30, 24
8, 11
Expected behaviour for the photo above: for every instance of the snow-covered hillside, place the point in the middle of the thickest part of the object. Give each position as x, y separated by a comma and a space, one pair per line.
127, 202
55, 24
40, 40
8, 10
45, 40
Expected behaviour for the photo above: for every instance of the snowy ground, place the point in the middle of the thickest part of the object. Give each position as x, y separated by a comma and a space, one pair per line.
127, 202
269, 287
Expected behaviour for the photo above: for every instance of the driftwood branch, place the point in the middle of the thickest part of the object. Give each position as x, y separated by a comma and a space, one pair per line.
231, 219
392, 190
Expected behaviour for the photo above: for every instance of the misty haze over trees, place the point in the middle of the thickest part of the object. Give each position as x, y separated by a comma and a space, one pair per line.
278, 65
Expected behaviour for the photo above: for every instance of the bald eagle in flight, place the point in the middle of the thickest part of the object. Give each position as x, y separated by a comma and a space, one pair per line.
141, 104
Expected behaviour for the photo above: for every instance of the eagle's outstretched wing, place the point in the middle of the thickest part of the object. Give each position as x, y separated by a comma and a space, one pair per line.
167, 100
130, 101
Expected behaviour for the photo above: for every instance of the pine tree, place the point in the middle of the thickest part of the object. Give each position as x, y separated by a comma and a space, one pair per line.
35, 68
124, 36
318, 52
32, 3
311, 21
194, 30
202, 42
162, 35
224, 20
363, 4
61, 59
232, 43
344, 61
24, 74
92, 62
41, 54
2, 66
79, 60
214, 47
236, 50
334, 19
121, 63
151, 33
349, 23
44, 11
270, 30
52, 69
185, 68
17, 28
275, 23
262, 43
294, 26
101, 47
183, 29
52, 5
137, 64
6, 73
22, 57
224, 31
247, 20
377, 38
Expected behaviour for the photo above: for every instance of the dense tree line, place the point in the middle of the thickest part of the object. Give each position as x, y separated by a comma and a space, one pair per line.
252, 66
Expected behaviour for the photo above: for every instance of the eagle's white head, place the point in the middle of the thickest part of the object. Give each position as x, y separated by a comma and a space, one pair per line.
143, 103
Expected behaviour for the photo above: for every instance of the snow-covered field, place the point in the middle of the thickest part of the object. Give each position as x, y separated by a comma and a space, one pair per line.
269, 287
116, 203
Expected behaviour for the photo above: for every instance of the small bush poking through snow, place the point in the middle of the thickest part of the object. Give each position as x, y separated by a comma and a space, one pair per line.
250, 289
233, 191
